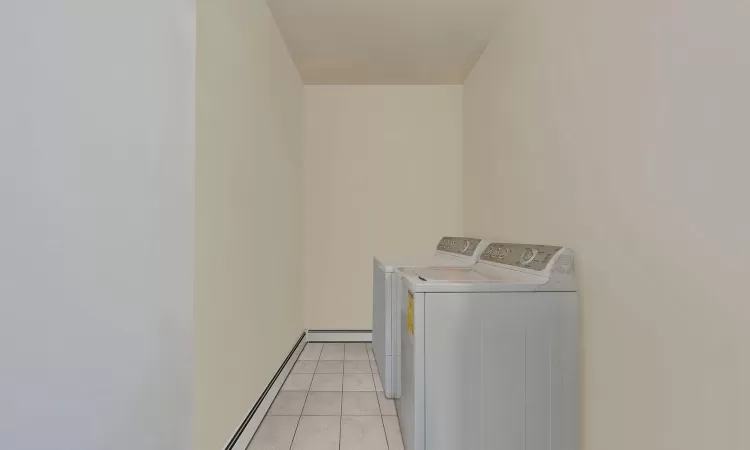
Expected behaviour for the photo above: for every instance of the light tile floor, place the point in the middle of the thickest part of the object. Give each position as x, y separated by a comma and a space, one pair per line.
332, 400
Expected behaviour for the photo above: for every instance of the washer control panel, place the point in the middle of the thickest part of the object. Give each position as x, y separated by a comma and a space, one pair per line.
534, 257
459, 245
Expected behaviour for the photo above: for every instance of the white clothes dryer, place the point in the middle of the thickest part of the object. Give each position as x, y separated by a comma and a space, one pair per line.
450, 252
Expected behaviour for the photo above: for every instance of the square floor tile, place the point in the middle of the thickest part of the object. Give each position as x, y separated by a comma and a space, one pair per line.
358, 382
297, 382
317, 433
326, 382
357, 367
362, 432
360, 404
393, 433
323, 404
374, 366
387, 406
305, 366
371, 354
332, 352
330, 367
355, 352
288, 403
311, 352
378, 383
274, 433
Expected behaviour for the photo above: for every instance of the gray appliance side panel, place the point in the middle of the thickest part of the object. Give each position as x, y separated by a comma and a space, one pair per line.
411, 404
419, 370
540, 372
398, 295
380, 314
566, 346
503, 391
499, 369
452, 383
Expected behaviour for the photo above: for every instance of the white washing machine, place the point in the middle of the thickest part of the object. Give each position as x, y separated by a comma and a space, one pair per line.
450, 252
489, 356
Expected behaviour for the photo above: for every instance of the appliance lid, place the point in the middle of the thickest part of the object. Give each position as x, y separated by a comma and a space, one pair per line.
391, 264
470, 275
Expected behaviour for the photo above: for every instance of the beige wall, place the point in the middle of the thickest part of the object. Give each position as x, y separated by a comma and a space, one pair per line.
620, 129
249, 203
382, 173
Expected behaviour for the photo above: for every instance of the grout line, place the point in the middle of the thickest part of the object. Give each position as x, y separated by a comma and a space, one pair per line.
303, 403
341, 411
376, 394
382, 422
388, 444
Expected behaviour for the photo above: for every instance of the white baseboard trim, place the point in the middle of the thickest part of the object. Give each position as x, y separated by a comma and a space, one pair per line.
339, 336
241, 438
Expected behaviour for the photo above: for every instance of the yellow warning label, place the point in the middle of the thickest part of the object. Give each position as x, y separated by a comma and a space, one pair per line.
410, 322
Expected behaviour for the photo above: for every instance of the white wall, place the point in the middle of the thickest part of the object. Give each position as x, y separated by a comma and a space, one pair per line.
96, 234
620, 130
382, 171
249, 211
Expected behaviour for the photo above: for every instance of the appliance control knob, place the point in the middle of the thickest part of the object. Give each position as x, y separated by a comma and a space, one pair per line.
528, 256
465, 246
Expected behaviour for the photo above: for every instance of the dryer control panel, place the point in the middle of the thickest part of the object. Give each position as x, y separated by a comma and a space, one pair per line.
459, 245
534, 257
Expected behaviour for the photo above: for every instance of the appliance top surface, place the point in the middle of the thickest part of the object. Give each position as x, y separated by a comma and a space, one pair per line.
391, 264
470, 275
454, 280
501, 268
450, 252
449, 274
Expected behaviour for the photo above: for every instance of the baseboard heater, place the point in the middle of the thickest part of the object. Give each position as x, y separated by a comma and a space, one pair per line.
249, 426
